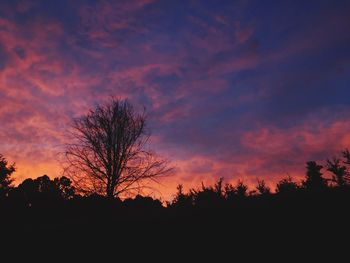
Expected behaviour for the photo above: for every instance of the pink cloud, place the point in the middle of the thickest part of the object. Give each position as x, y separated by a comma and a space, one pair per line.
243, 34
288, 149
268, 153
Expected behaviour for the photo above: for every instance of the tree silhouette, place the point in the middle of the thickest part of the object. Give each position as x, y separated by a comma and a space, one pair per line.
346, 155
241, 189
27, 190
233, 191
143, 203
44, 189
108, 154
340, 172
64, 184
6, 170
262, 188
208, 196
287, 186
230, 191
314, 179
182, 199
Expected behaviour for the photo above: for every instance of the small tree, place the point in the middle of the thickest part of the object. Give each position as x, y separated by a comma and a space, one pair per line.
182, 200
340, 172
218, 187
208, 196
6, 170
229, 191
287, 186
108, 152
262, 188
241, 189
314, 179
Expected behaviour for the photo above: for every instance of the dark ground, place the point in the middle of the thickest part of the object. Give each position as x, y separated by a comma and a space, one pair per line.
283, 230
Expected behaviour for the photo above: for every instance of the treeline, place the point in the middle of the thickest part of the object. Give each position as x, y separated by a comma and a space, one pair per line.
312, 211
48, 194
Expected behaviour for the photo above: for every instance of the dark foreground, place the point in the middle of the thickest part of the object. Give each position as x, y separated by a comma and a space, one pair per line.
296, 226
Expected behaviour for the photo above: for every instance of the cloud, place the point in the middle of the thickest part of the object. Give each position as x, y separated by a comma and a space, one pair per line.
232, 90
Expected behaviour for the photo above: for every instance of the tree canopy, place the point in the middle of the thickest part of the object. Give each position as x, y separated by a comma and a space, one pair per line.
108, 154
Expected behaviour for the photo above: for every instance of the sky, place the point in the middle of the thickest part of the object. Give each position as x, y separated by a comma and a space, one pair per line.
235, 89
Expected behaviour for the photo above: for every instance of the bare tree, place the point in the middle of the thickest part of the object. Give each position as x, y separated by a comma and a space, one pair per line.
108, 153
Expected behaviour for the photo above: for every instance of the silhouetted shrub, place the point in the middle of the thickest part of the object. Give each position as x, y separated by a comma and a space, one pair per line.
208, 196
142, 204
314, 179
237, 191
241, 189
181, 200
262, 188
287, 186
340, 173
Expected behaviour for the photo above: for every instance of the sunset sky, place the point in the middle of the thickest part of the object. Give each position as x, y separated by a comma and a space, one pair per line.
235, 89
